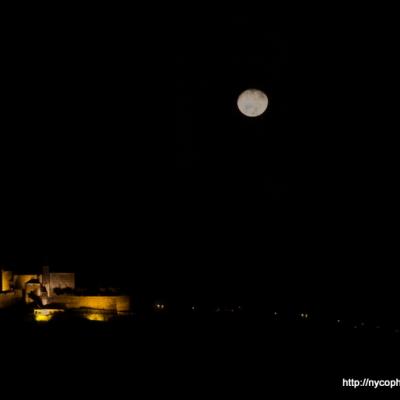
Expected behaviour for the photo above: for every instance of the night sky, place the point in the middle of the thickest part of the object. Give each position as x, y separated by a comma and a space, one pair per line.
122, 153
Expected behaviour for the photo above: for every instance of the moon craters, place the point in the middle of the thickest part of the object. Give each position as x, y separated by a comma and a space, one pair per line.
252, 102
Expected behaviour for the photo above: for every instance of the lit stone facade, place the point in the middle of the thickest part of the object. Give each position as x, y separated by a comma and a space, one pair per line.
41, 290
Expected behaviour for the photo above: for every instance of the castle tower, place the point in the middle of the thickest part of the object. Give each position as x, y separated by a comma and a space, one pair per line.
46, 279
6, 278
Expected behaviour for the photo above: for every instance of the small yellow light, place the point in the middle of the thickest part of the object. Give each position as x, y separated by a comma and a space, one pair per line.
95, 317
45, 315
42, 318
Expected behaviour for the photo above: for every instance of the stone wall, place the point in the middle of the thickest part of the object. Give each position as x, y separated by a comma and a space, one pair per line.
8, 299
120, 304
21, 280
61, 280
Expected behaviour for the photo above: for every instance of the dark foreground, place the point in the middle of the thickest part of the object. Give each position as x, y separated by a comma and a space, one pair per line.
209, 355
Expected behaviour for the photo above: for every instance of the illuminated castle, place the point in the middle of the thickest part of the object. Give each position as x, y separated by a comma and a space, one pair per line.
54, 292
41, 285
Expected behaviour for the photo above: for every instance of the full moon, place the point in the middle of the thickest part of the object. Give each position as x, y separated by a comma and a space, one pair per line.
252, 102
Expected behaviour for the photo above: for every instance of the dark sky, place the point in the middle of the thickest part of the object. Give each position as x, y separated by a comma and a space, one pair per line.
122, 150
